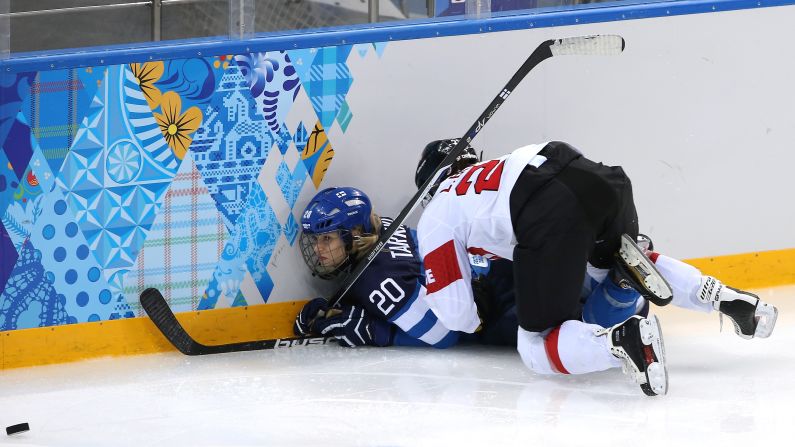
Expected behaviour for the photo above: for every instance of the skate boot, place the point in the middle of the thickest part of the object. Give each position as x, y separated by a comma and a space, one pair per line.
638, 342
639, 272
751, 316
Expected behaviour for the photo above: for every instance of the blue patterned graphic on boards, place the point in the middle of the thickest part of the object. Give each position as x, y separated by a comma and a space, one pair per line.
24, 210
194, 80
56, 106
8, 182
69, 261
29, 299
183, 245
326, 80
301, 137
17, 146
8, 257
116, 175
274, 85
14, 88
231, 145
112, 182
249, 248
291, 229
291, 183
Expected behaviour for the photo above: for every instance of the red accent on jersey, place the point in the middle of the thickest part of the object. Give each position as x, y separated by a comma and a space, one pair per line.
482, 252
441, 267
489, 174
653, 256
551, 345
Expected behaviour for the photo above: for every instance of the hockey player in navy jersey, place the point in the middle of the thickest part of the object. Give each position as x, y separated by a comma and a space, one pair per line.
557, 215
384, 306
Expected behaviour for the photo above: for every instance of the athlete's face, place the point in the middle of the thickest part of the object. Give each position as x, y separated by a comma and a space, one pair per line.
330, 249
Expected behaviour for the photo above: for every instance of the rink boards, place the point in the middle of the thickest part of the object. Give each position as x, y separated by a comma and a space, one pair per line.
100, 205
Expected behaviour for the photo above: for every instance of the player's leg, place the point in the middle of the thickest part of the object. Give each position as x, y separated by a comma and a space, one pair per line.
555, 238
751, 316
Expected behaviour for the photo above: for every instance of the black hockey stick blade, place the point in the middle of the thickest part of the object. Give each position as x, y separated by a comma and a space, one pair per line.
161, 315
604, 45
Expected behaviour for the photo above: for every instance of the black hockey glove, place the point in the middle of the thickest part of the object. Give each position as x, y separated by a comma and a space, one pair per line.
351, 326
310, 311
484, 298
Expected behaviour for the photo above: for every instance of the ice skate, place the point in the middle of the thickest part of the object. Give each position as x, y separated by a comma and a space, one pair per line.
638, 342
634, 267
751, 316
644, 243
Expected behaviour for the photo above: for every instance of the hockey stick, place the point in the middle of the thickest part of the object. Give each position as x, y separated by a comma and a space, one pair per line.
158, 310
583, 45
161, 315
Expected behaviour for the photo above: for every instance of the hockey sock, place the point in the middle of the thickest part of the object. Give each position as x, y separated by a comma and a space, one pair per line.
571, 348
685, 281
610, 304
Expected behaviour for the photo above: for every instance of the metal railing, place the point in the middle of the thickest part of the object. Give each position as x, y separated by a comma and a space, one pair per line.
41, 24
5, 29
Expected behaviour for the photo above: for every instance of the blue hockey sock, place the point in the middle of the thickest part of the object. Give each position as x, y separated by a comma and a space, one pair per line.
609, 304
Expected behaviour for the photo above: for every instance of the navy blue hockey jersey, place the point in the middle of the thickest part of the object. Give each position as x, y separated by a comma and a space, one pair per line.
392, 288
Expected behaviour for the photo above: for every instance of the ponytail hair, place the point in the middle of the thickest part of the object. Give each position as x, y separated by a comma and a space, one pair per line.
363, 243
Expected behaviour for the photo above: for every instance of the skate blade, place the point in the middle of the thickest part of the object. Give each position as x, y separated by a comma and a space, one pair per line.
766, 315
644, 272
656, 372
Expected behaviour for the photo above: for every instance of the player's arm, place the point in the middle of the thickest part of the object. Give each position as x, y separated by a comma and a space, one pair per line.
448, 277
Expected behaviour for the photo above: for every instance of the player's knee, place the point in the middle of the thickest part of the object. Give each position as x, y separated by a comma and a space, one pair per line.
609, 304
531, 347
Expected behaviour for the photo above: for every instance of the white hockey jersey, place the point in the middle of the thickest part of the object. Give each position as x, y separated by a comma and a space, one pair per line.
470, 213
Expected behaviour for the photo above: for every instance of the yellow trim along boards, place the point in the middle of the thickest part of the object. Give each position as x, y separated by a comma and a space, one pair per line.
58, 344
71, 342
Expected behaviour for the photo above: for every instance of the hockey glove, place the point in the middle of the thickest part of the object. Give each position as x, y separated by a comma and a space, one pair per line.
311, 311
351, 326
484, 298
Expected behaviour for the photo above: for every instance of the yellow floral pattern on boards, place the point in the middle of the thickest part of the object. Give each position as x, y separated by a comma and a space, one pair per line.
177, 127
147, 74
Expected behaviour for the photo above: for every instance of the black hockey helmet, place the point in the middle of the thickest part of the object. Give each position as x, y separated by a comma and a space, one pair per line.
434, 153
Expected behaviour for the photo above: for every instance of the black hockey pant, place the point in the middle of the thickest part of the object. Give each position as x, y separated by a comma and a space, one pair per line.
567, 211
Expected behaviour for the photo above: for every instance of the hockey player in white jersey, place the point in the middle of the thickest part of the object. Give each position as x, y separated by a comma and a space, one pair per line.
550, 210
608, 296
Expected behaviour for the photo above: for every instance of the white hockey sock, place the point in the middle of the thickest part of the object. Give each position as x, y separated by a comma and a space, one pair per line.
685, 281
571, 348
580, 351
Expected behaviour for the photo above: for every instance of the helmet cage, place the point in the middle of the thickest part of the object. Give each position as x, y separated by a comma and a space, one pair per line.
308, 242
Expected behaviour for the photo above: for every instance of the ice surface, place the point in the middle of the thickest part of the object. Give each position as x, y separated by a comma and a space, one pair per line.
723, 391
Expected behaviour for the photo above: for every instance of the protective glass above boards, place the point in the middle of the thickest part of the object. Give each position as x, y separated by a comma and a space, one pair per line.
58, 26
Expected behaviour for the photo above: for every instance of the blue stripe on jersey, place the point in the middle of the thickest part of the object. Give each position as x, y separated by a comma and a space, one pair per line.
449, 340
424, 325
403, 339
407, 305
